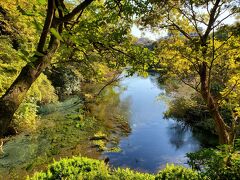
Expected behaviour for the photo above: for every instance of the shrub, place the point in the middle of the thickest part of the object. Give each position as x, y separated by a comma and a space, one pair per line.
41, 92
127, 174
172, 172
192, 112
223, 163
75, 168
25, 116
86, 168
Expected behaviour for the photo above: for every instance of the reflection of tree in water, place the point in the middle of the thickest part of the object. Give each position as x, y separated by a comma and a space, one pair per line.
177, 133
153, 76
124, 107
206, 138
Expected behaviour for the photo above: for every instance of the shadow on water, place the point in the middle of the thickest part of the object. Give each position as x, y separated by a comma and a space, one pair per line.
176, 135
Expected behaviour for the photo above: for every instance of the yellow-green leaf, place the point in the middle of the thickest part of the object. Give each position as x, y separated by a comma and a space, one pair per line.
56, 34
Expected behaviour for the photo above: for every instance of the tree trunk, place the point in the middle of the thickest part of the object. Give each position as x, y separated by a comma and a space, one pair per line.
221, 127
14, 96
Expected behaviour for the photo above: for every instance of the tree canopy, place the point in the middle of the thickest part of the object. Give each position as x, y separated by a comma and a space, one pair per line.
194, 53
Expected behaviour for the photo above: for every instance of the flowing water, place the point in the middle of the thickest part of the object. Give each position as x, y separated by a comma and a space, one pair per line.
153, 141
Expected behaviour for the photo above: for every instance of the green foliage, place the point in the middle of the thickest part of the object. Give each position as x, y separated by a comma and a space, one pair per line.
179, 107
10, 64
199, 58
172, 172
100, 38
223, 163
100, 144
21, 19
25, 116
191, 111
41, 92
100, 135
67, 79
56, 34
16, 46
86, 168
75, 168
127, 174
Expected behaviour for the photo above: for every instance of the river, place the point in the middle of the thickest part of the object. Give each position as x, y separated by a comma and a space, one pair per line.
154, 141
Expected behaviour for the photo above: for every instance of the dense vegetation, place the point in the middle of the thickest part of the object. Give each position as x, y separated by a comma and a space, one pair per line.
51, 49
197, 54
217, 165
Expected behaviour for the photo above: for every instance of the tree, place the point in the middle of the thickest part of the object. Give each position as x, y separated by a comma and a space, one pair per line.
62, 33
196, 57
13, 97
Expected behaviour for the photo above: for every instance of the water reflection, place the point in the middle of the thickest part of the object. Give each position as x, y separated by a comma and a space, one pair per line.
154, 141
176, 135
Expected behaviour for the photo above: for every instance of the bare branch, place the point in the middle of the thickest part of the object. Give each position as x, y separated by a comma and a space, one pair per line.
114, 79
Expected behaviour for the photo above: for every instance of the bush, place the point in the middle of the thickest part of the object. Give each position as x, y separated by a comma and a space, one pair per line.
75, 168
172, 172
192, 112
86, 168
223, 163
127, 174
41, 92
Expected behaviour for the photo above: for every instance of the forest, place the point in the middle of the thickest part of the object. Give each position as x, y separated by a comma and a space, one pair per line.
120, 89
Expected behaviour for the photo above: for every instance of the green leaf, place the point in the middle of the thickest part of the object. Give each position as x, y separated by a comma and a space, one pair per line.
24, 52
56, 34
41, 1
23, 12
37, 25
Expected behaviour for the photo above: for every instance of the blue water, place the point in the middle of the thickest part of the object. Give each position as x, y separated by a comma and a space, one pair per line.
153, 141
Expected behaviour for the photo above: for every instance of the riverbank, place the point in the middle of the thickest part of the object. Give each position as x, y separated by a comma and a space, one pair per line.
64, 129
125, 123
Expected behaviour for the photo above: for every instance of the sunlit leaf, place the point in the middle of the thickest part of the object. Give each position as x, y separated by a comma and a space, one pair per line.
37, 25
56, 34
41, 1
